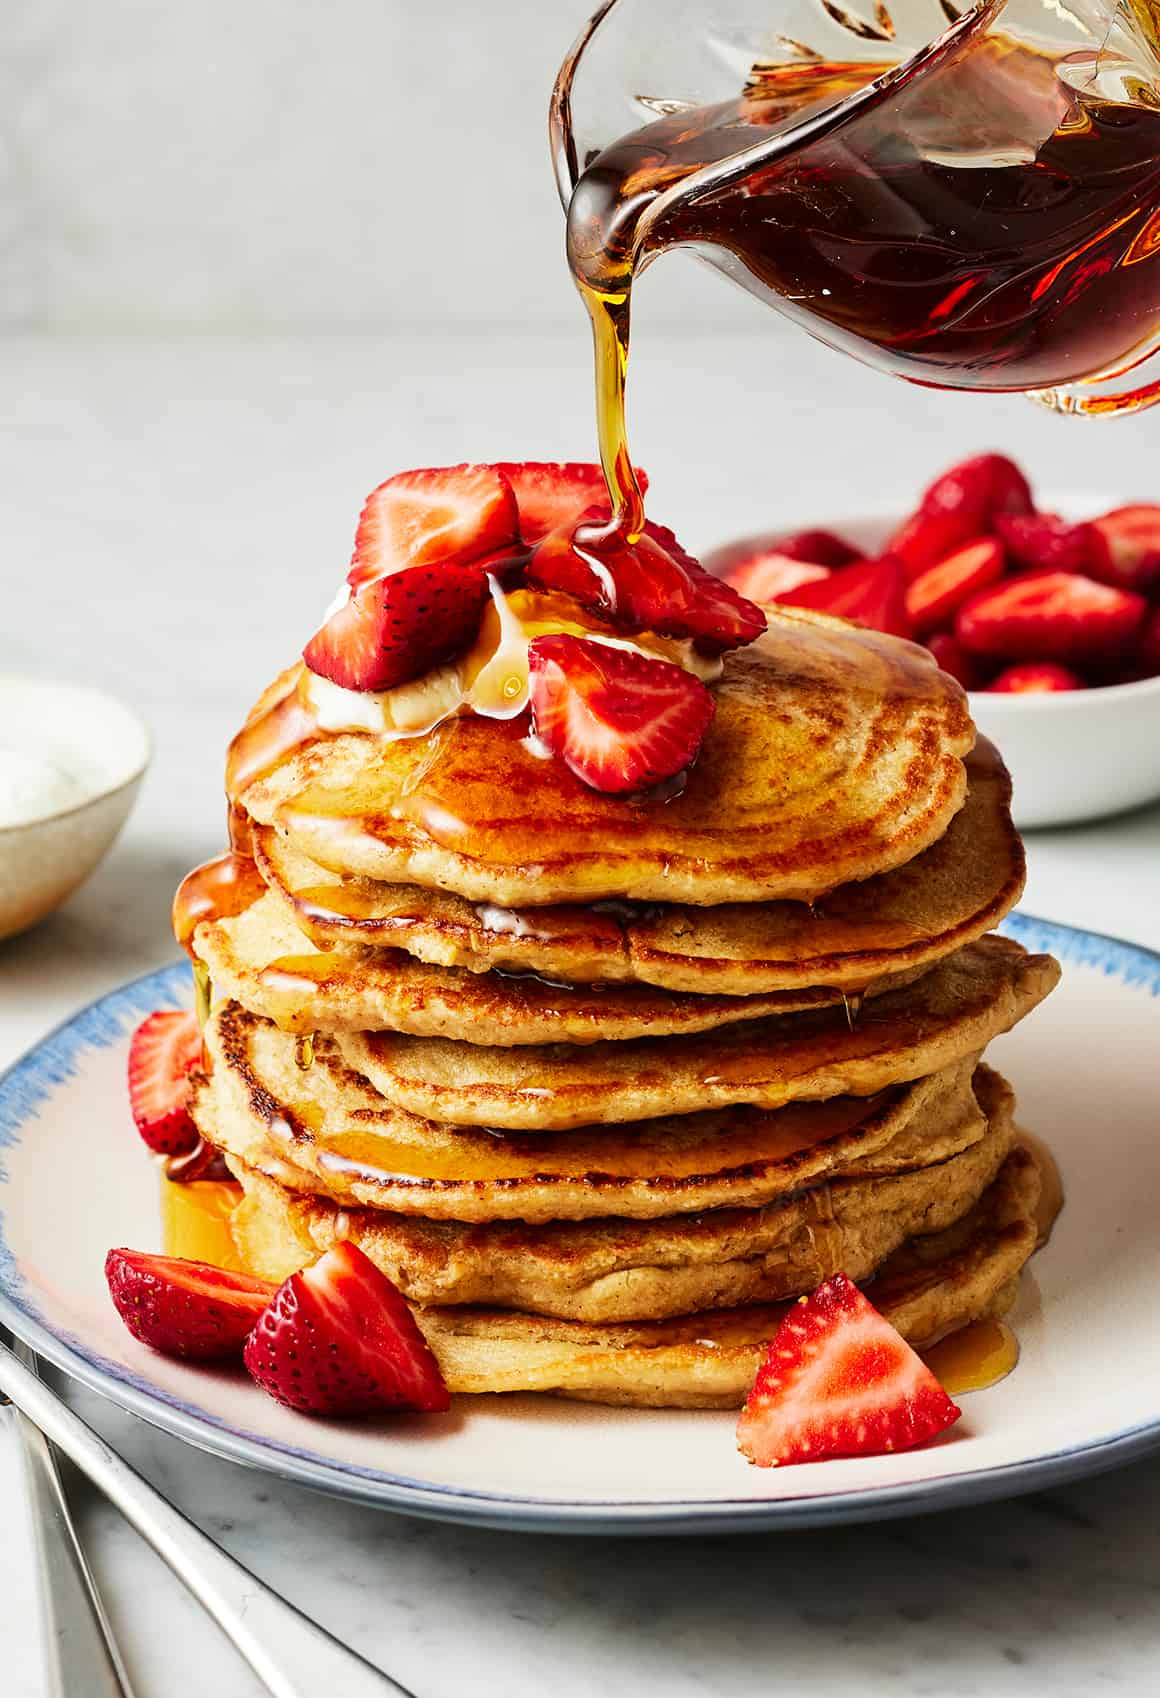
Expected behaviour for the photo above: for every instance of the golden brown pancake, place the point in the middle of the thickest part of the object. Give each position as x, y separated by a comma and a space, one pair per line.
952, 1011
260, 959
326, 1130
931, 1287
950, 894
835, 753
620, 1270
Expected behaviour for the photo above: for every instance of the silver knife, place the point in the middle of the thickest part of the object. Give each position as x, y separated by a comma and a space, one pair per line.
80, 1652
291, 1655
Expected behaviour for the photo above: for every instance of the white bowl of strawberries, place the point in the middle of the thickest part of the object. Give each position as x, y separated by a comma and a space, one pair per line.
1050, 620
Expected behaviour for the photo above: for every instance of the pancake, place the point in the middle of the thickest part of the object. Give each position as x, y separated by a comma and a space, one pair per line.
617, 1270
952, 893
260, 959
326, 1131
835, 753
953, 1010
931, 1287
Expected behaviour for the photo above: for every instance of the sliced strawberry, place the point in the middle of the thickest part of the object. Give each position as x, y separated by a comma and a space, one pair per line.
1050, 616
339, 1339
959, 506
396, 628
1126, 550
769, 577
1036, 678
162, 1052
550, 494
873, 592
812, 548
441, 513
926, 538
185, 1308
620, 722
838, 1380
819, 548
1147, 656
935, 594
953, 659
1045, 542
650, 585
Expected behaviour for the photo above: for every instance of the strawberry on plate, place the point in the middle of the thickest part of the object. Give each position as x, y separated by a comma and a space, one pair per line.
164, 1049
1045, 542
873, 592
1058, 616
959, 506
838, 1380
1126, 551
619, 721
339, 1339
934, 596
439, 513
771, 576
1036, 678
396, 628
650, 585
551, 494
184, 1308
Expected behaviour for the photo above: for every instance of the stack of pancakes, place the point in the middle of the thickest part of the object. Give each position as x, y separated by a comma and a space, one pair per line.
602, 1083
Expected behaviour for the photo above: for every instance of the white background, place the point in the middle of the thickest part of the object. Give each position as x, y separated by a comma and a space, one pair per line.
253, 258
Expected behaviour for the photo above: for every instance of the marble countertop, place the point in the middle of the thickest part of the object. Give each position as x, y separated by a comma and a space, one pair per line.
175, 517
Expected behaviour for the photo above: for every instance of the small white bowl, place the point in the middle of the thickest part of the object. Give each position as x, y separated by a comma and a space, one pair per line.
1079, 755
105, 748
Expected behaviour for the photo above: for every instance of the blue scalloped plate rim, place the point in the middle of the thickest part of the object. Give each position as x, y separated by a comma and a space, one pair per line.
31, 1080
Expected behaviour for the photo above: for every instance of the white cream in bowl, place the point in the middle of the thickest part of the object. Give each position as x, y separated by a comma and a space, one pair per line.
71, 761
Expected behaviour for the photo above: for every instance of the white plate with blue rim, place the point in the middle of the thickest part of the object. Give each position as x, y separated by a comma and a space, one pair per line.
1084, 1396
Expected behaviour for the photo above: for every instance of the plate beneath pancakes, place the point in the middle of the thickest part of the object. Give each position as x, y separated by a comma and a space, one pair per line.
1084, 1397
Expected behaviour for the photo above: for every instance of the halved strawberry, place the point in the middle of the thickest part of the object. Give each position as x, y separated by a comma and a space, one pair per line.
1045, 542
959, 506
620, 722
838, 1380
873, 592
162, 1052
935, 594
396, 628
439, 513
183, 1308
650, 585
1036, 678
769, 577
953, 658
339, 1339
550, 494
1050, 616
1126, 551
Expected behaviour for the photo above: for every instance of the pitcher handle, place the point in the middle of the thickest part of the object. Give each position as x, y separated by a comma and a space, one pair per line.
1089, 398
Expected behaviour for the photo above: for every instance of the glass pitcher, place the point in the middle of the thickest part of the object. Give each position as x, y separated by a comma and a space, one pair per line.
963, 199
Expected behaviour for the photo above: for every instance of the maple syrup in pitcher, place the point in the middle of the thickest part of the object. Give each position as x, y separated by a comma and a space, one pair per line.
987, 218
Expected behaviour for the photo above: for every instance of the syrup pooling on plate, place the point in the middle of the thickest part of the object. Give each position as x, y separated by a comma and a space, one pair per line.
195, 1221
979, 1355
